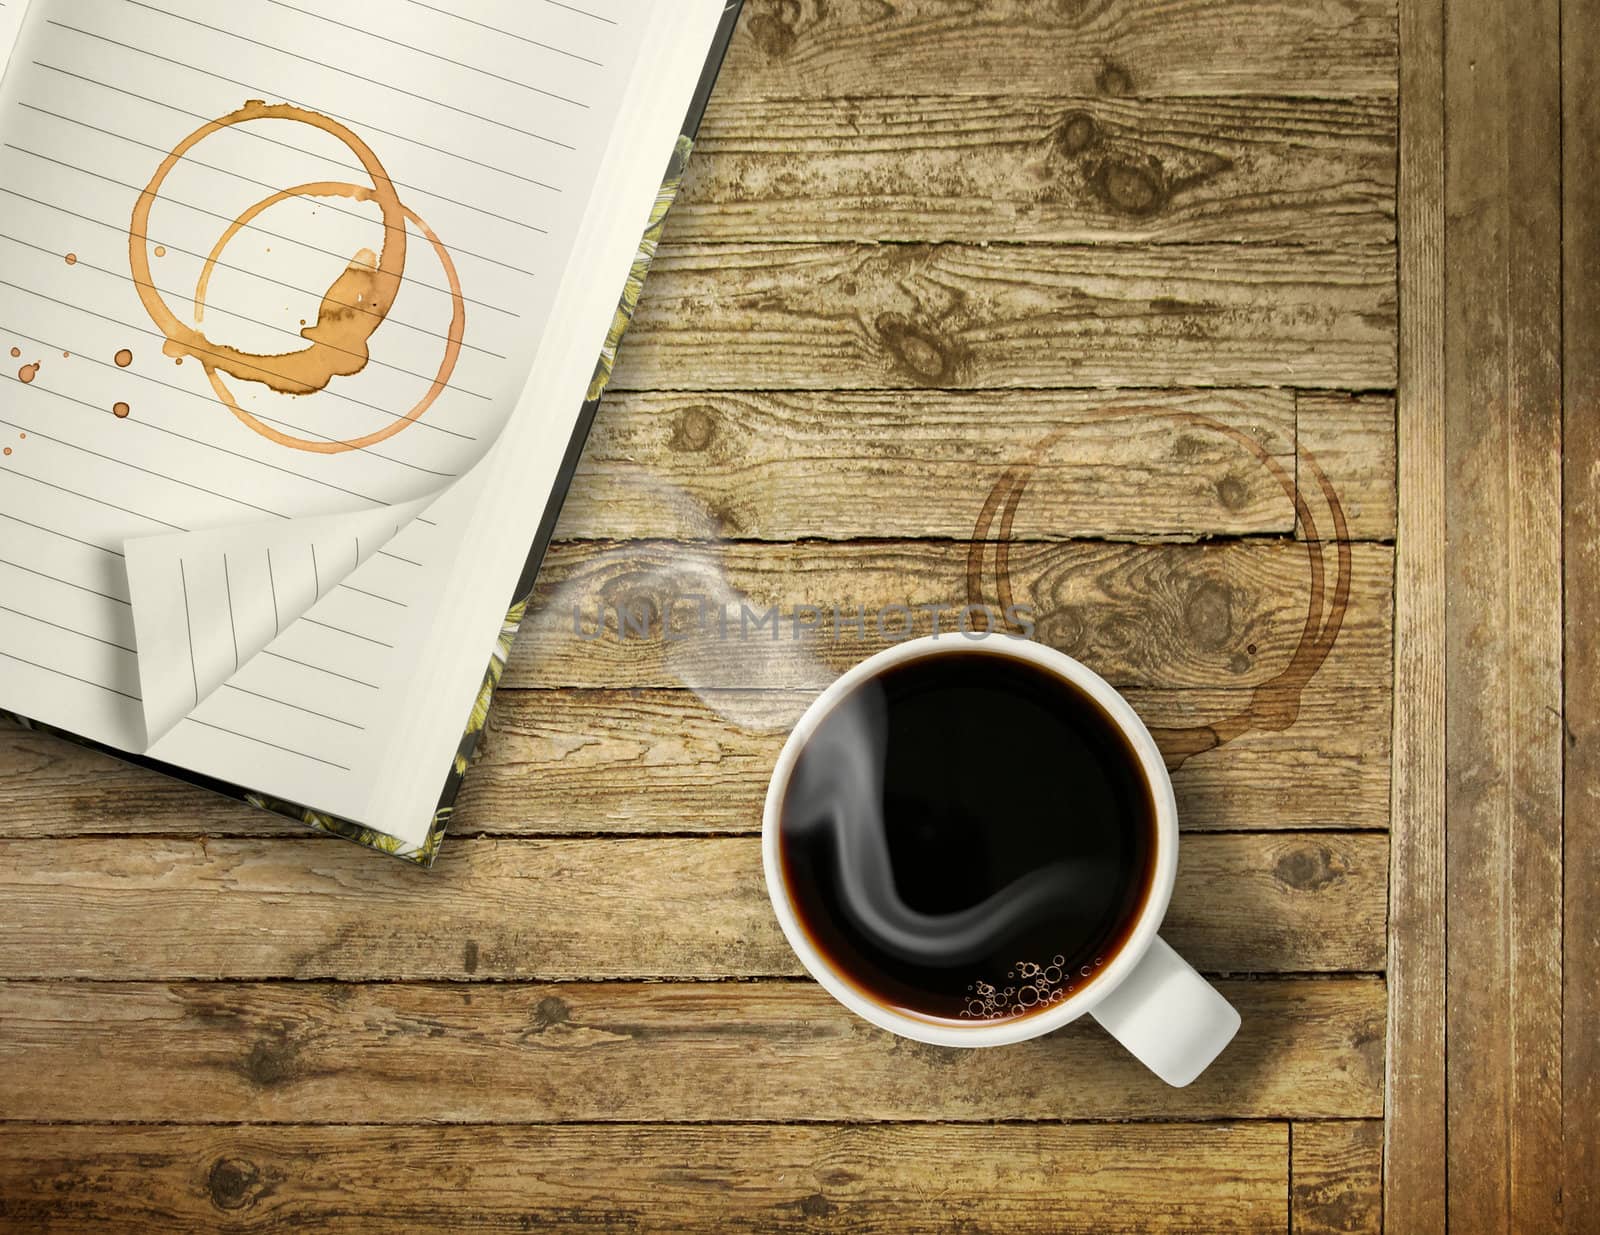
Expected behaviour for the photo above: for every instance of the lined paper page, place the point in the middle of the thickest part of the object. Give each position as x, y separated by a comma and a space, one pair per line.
490, 121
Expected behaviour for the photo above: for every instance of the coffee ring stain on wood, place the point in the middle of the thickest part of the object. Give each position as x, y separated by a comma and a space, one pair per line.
1274, 704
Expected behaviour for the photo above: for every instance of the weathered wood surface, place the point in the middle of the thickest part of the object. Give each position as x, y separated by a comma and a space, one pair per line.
1109, 227
884, 1180
831, 49
840, 465
1336, 1171
1352, 440
588, 908
310, 1052
1580, 1065
1223, 616
1414, 1141
1078, 169
823, 317
594, 762
1503, 724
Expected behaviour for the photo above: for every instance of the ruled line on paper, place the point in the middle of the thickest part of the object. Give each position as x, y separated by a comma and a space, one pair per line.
432, 55
349, 633
150, 331
331, 207
53, 531
189, 626
277, 623
572, 8
348, 724
71, 630
275, 327
222, 265
187, 484
265, 231
288, 750
361, 124
189, 437
351, 73
64, 674
510, 34
233, 626
186, 391
332, 673
99, 501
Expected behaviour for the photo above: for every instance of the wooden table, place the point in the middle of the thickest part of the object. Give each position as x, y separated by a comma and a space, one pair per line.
1129, 273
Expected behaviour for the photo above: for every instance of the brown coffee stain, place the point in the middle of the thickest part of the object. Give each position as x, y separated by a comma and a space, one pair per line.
1274, 704
16, 352
72, 259
6, 451
161, 250
124, 358
355, 305
120, 410
28, 372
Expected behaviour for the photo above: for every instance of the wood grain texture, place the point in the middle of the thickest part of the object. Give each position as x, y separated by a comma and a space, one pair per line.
1414, 1128
1336, 1171
831, 49
1223, 616
1352, 439
821, 317
885, 1180
1580, 1067
587, 908
1503, 725
646, 760
1085, 169
309, 1052
917, 464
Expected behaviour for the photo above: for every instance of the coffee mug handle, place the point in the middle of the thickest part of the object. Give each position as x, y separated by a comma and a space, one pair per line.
1168, 1016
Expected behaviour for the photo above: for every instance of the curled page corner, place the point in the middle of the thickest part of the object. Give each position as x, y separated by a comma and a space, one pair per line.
206, 603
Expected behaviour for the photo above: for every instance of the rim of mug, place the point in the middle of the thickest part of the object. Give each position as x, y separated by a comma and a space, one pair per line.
1016, 1028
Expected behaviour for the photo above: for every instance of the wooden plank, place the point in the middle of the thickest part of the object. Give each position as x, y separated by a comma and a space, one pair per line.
587, 908
1503, 735
1580, 1068
1414, 1125
605, 761
884, 1180
824, 317
1336, 1169
674, 761
1081, 170
918, 464
832, 49
1225, 616
1351, 439
492, 1052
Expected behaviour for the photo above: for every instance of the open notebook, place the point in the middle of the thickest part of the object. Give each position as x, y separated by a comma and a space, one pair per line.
300, 305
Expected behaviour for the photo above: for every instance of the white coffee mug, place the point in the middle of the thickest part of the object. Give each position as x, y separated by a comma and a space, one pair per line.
1147, 996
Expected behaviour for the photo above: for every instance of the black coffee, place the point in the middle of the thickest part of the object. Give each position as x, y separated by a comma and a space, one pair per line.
967, 837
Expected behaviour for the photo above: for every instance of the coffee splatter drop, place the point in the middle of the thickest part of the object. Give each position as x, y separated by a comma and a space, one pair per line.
124, 358
8, 450
161, 250
72, 259
66, 355
28, 372
120, 410
16, 352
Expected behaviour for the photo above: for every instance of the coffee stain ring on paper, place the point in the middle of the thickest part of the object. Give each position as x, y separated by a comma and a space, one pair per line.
355, 305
